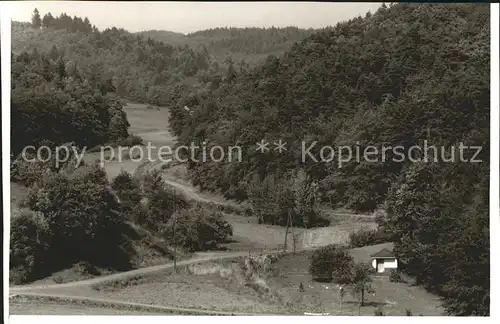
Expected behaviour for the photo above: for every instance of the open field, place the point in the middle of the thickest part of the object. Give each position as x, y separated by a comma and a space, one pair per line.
145, 120
151, 126
273, 288
392, 298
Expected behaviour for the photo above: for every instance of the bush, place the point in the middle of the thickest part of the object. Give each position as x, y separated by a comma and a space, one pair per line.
30, 240
128, 191
274, 198
331, 263
84, 268
198, 228
82, 214
395, 276
161, 203
365, 237
27, 173
131, 140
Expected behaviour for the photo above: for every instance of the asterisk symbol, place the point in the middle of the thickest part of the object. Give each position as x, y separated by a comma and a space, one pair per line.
262, 146
280, 146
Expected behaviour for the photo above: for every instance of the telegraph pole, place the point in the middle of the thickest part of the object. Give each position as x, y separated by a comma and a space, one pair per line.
341, 298
291, 225
175, 230
286, 231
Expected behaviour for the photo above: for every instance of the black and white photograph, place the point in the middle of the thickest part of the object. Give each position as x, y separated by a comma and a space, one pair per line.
250, 158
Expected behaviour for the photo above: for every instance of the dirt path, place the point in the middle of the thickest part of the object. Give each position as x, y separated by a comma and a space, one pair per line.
199, 257
187, 190
68, 298
72, 291
70, 304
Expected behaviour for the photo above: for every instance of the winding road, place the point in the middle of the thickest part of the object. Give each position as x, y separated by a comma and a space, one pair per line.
67, 294
67, 297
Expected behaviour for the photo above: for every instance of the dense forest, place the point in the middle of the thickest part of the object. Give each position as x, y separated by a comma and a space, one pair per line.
48, 91
155, 66
405, 74
139, 69
252, 45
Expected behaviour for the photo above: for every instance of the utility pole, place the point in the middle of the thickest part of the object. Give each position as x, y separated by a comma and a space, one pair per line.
175, 230
286, 231
342, 292
291, 225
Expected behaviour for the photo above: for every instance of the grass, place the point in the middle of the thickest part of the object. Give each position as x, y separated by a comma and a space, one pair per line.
93, 306
144, 120
391, 298
272, 287
203, 286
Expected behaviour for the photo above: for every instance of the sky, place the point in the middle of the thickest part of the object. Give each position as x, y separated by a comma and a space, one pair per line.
186, 17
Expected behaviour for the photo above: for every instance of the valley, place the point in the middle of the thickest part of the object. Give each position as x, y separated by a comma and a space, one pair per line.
401, 229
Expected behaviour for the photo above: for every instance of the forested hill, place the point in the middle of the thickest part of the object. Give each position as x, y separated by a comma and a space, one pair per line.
405, 74
154, 66
139, 68
387, 78
249, 44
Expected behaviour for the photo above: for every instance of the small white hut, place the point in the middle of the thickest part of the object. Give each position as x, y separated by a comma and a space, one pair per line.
384, 261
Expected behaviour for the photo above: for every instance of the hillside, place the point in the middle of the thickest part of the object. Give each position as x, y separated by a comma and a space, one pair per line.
252, 45
139, 69
408, 75
152, 66
67, 80
365, 81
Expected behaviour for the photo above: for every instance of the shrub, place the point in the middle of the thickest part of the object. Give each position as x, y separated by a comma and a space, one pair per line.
27, 173
30, 240
274, 198
84, 268
82, 214
331, 263
151, 182
128, 191
395, 276
198, 228
129, 141
162, 203
58, 279
364, 237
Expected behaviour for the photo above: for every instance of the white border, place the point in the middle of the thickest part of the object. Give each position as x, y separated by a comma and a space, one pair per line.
6, 38
494, 205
